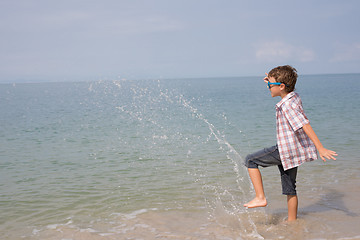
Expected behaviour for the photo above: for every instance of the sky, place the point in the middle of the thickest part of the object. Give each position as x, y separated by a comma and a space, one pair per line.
67, 40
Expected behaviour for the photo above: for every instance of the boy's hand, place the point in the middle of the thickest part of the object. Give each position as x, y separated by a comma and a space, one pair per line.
266, 79
326, 153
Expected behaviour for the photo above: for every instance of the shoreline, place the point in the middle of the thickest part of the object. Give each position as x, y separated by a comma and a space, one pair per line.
328, 214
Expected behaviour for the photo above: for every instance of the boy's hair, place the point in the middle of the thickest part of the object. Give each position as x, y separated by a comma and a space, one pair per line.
285, 74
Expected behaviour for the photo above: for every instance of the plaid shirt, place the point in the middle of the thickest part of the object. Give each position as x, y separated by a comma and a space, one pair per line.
295, 147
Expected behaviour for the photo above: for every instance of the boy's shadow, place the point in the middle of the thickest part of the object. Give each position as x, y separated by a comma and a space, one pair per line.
332, 200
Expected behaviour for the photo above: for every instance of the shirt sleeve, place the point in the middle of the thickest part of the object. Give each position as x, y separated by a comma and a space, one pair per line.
295, 116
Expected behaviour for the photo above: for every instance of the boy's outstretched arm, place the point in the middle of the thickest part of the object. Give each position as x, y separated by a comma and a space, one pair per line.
323, 152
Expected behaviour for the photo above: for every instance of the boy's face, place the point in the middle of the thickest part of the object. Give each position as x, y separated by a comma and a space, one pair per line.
275, 90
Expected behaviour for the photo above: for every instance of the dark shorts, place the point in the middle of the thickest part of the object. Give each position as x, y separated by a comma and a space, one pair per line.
270, 157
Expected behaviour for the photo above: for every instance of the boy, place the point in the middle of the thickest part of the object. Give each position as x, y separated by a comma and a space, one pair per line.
296, 141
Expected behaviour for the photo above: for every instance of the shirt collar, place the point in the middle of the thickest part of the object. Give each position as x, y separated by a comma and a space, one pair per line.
286, 98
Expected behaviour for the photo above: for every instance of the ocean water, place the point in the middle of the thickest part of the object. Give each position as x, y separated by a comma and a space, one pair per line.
163, 159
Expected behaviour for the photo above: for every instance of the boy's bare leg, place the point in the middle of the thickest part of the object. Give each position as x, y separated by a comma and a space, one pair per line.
292, 202
260, 199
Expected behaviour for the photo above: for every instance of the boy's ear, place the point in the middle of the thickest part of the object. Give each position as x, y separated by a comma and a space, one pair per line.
282, 87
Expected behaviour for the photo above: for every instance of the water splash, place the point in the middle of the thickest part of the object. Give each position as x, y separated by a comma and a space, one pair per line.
218, 207
147, 145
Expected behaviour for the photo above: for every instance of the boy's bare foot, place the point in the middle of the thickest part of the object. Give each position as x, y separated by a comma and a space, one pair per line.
256, 202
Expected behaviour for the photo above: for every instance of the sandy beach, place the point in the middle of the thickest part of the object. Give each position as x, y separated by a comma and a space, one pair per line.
326, 213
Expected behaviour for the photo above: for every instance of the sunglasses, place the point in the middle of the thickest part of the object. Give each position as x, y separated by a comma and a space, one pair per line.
274, 83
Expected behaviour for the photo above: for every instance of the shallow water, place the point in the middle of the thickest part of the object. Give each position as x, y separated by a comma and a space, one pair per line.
163, 159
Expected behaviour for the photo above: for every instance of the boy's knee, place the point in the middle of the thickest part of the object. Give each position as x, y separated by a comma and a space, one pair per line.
249, 163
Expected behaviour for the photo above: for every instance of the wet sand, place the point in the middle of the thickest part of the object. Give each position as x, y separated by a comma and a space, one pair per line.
327, 213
